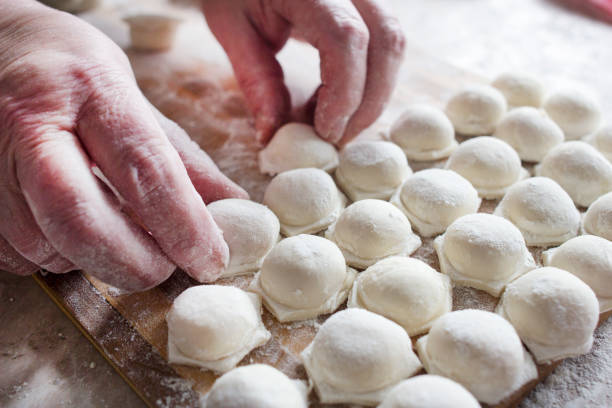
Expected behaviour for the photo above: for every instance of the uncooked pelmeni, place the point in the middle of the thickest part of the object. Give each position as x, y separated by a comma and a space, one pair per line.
481, 351
602, 141
256, 386
296, 146
476, 110
357, 357
405, 290
302, 277
530, 132
543, 212
371, 169
214, 327
483, 251
433, 198
580, 169
553, 311
369, 230
250, 230
589, 257
152, 32
424, 133
520, 89
490, 164
304, 200
598, 218
575, 110
429, 391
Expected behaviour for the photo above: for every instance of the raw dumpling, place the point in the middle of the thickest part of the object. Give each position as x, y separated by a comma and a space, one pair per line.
256, 386
576, 111
530, 132
543, 212
483, 251
490, 164
214, 327
429, 391
304, 200
424, 133
250, 230
590, 258
520, 89
371, 169
476, 110
553, 311
602, 141
369, 230
580, 169
152, 32
432, 199
405, 290
481, 351
598, 218
357, 357
302, 277
296, 146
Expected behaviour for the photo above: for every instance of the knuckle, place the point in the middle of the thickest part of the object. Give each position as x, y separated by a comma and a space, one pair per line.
392, 39
353, 32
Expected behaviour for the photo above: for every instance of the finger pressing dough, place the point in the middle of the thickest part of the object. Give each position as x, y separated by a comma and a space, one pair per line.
433, 198
372, 169
580, 169
357, 357
304, 200
296, 146
553, 311
520, 89
214, 327
424, 133
250, 230
602, 141
481, 351
530, 132
369, 230
543, 212
405, 290
598, 218
490, 164
302, 277
476, 110
483, 251
576, 111
429, 391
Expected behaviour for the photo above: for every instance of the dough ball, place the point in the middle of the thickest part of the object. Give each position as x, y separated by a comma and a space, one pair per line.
543, 212
598, 218
371, 169
580, 169
520, 89
296, 146
256, 386
553, 311
424, 133
602, 141
476, 110
405, 290
530, 132
304, 200
429, 391
590, 258
152, 32
369, 230
575, 110
433, 198
490, 164
480, 350
483, 251
356, 356
250, 230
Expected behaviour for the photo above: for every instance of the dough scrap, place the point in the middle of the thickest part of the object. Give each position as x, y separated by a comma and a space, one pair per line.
598, 217
476, 110
429, 391
575, 110
520, 89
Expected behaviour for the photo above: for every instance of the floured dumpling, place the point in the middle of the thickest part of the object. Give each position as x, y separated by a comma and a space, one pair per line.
302, 277
371, 169
553, 311
305, 201
598, 218
575, 110
481, 351
429, 391
520, 89
483, 251
580, 169
602, 141
543, 212
214, 327
296, 146
424, 133
433, 198
357, 357
369, 230
490, 164
476, 110
405, 290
